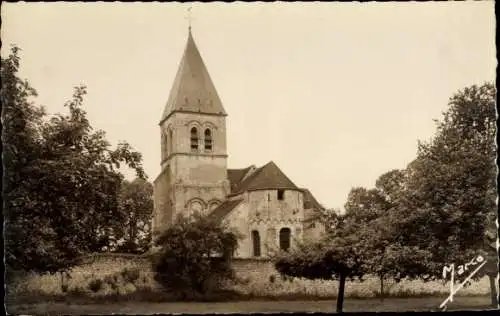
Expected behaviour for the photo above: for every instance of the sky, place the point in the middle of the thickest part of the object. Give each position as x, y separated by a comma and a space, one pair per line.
336, 94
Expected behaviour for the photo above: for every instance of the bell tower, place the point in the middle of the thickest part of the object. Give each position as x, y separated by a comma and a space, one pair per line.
193, 175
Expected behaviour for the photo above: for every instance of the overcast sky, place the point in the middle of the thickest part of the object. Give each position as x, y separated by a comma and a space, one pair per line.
335, 93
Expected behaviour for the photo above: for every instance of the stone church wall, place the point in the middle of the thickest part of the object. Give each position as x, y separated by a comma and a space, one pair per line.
261, 211
268, 216
162, 209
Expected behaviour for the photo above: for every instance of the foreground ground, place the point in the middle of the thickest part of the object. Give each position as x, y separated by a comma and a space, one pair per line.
350, 305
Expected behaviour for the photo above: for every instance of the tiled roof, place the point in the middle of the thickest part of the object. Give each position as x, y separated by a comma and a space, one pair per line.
236, 175
224, 209
193, 89
310, 201
267, 177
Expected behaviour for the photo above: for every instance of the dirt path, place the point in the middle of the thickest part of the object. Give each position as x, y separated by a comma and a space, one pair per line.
350, 305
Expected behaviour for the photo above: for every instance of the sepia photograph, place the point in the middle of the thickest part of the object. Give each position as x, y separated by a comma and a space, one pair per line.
249, 157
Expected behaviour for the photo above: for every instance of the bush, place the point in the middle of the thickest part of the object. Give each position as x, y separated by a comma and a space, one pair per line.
77, 291
96, 285
194, 255
130, 275
272, 279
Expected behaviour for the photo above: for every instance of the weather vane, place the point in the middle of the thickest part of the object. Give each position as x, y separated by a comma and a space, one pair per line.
189, 17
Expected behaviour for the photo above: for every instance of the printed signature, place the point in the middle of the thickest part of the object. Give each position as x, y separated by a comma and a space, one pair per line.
477, 262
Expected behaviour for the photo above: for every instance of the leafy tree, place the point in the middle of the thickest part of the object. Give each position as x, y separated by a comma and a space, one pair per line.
337, 256
136, 207
21, 139
365, 205
194, 254
449, 208
62, 179
370, 213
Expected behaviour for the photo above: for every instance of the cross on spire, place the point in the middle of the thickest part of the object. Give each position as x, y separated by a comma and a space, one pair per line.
189, 17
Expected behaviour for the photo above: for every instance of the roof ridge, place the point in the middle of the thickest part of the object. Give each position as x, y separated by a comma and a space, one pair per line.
266, 177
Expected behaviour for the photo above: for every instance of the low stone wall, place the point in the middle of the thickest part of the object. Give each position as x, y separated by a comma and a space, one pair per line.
112, 262
256, 277
260, 268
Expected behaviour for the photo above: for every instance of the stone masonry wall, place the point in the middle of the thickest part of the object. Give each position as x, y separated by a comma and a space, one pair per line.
253, 277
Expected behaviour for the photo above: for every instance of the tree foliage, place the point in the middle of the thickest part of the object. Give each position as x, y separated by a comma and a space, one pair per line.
440, 210
337, 256
61, 178
194, 254
133, 235
449, 207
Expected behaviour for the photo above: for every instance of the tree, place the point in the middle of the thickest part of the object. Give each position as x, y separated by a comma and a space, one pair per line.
21, 147
62, 179
370, 213
335, 257
449, 207
194, 254
136, 207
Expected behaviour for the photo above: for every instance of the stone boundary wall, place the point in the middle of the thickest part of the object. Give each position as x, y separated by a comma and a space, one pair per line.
257, 268
256, 277
108, 262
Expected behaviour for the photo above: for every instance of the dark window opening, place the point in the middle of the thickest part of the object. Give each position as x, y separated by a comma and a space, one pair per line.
285, 239
281, 195
194, 138
170, 142
163, 146
208, 139
256, 243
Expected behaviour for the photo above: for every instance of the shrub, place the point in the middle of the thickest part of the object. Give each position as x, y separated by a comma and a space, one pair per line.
130, 275
272, 278
194, 255
77, 291
96, 285
112, 280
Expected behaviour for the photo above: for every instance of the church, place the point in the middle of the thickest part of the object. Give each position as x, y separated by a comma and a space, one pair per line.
260, 202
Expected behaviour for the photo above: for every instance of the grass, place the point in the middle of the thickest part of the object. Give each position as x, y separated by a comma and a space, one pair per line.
255, 306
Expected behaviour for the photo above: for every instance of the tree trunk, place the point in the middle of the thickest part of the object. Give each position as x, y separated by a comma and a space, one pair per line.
381, 288
340, 296
493, 287
64, 287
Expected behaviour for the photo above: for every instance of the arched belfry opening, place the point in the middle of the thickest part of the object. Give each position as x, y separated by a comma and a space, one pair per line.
194, 139
208, 139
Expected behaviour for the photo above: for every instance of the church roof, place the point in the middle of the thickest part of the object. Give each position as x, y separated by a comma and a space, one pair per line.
236, 175
267, 177
310, 201
193, 89
225, 208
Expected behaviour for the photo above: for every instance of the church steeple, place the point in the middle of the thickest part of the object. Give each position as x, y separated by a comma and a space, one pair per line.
193, 90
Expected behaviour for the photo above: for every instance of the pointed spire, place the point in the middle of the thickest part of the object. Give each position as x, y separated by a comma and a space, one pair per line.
193, 89
189, 18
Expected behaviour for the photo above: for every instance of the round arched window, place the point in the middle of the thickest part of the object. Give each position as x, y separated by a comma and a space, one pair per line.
285, 234
208, 139
194, 139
